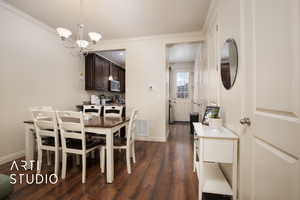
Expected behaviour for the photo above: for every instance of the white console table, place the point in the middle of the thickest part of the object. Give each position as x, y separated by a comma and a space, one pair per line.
215, 146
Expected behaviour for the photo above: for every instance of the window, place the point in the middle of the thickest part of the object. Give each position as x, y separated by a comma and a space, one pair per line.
182, 85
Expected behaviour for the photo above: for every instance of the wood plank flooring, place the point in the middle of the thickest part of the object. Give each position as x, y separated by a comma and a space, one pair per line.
163, 171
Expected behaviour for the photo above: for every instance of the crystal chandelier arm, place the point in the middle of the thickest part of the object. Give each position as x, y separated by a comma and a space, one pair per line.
79, 43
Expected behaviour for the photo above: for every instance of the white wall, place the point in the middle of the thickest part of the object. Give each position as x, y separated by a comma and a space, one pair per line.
35, 70
146, 66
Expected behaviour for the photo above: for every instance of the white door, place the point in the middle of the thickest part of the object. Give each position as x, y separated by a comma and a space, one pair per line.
272, 83
182, 94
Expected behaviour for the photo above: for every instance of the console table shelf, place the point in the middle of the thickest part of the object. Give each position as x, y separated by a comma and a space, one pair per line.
213, 147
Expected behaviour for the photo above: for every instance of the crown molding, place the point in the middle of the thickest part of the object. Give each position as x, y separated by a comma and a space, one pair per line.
198, 35
26, 16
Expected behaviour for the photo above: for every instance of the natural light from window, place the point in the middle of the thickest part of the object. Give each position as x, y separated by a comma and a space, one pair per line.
182, 85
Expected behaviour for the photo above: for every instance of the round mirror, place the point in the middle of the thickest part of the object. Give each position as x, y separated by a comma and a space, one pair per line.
229, 63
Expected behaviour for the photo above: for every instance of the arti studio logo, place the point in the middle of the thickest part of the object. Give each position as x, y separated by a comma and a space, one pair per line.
34, 178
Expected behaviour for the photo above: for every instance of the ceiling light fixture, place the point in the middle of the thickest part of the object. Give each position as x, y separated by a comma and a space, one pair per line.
82, 44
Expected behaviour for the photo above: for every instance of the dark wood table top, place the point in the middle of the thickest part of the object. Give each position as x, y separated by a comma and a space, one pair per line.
96, 122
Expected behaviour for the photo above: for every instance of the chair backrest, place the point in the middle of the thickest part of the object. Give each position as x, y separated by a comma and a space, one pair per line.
113, 111
45, 124
92, 109
132, 127
71, 126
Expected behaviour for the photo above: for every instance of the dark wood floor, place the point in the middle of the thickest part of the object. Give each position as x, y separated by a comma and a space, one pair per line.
163, 171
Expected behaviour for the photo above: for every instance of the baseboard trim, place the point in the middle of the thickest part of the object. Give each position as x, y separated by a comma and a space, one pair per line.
12, 156
150, 139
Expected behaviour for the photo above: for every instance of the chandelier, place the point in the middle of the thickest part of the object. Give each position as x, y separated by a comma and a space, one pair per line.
80, 42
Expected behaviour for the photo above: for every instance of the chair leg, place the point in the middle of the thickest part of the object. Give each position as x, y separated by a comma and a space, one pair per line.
56, 162
102, 159
60, 153
77, 159
128, 160
119, 135
133, 153
64, 165
83, 167
40, 160
194, 159
93, 154
48, 158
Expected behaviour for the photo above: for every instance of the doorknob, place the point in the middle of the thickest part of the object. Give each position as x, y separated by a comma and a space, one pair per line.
246, 121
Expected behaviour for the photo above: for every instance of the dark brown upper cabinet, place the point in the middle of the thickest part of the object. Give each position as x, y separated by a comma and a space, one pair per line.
97, 72
122, 80
114, 72
118, 74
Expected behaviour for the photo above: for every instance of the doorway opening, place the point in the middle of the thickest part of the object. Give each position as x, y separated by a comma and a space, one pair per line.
182, 68
109, 76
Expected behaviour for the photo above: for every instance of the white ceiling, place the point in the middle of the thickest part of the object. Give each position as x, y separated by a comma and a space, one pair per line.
185, 52
120, 18
116, 56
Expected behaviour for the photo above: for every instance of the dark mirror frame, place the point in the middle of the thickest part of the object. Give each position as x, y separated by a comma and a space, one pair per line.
224, 83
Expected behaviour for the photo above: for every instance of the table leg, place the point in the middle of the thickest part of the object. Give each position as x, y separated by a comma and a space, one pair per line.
235, 170
109, 157
201, 166
29, 144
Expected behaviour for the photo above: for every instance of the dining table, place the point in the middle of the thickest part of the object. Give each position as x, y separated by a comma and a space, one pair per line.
105, 126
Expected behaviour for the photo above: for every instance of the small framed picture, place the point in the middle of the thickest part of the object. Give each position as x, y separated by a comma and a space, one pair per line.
210, 112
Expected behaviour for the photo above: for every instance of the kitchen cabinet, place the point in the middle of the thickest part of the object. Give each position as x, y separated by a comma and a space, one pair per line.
97, 72
101, 74
114, 72
122, 80
118, 74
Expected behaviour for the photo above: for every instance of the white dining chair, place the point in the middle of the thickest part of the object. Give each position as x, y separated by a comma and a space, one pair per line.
113, 111
47, 135
74, 141
43, 108
127, 143
92, 109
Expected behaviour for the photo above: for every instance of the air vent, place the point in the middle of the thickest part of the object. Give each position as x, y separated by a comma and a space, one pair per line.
142, 128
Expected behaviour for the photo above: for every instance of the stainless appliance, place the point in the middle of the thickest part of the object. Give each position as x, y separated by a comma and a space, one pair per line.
115, 86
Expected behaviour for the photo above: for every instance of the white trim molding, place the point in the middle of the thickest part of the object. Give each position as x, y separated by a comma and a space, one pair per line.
11, 157
26, 16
